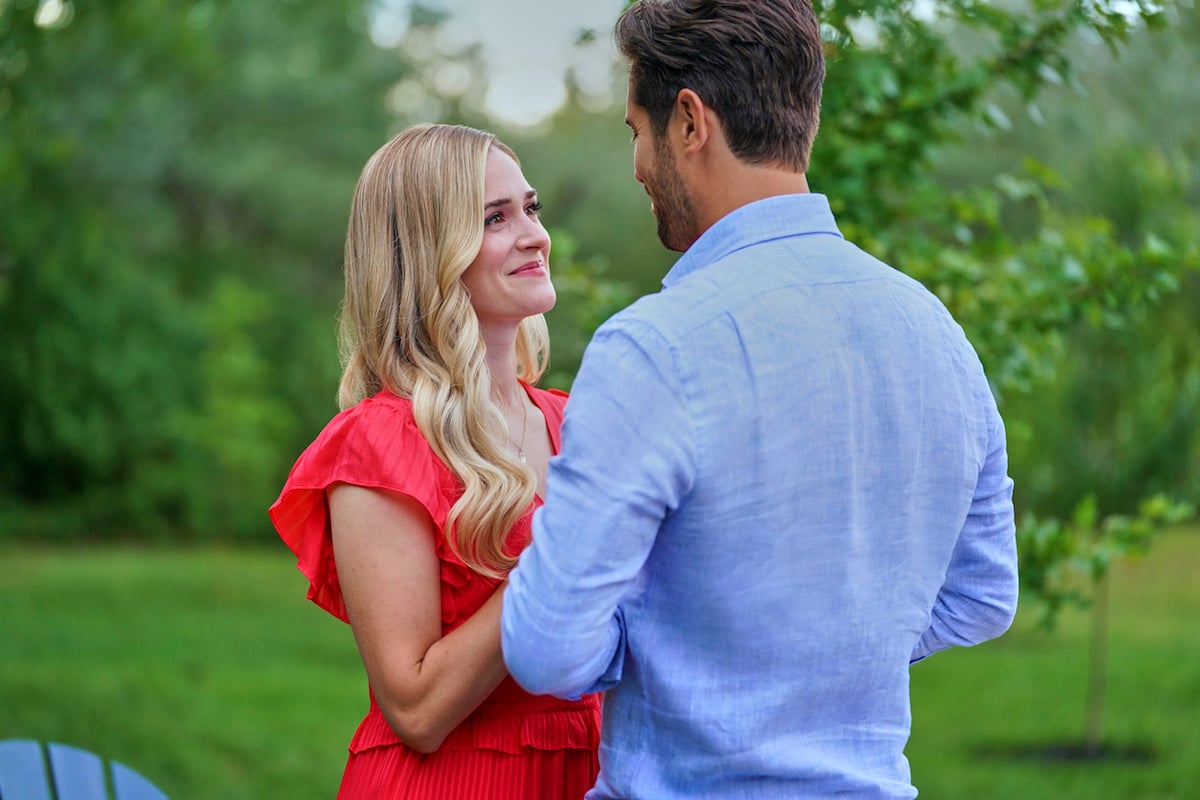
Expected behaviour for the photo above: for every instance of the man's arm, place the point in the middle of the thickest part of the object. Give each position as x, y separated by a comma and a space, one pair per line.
627, 461
978, 600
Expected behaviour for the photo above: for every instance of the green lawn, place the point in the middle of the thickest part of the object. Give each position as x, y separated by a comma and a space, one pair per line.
209, 672
982, 716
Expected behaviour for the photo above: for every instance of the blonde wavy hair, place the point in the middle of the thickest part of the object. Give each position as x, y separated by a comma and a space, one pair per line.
407, 324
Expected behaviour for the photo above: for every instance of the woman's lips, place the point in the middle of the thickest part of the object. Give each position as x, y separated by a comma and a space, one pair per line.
533, 267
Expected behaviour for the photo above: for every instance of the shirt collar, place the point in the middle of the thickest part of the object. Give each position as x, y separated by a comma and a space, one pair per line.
771, 218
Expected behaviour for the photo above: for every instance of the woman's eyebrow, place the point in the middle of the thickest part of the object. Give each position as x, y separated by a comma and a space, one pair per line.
532, 193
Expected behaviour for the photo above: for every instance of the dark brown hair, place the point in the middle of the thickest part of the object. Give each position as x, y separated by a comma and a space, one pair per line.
757, 63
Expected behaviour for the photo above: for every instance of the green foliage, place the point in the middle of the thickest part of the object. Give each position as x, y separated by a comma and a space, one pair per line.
1114, 412
84, 335
1061, 561
175, 191
1021, 271
1069, 564
893, 103
244, 420
176, 186
1019, 297
586, 297
899, 87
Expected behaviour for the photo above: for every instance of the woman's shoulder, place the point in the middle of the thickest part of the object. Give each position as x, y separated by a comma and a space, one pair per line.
381, 413
549, 398
557, 395
383, 407
374, 443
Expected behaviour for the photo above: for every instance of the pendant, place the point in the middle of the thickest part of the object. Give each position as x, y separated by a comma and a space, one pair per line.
521, 455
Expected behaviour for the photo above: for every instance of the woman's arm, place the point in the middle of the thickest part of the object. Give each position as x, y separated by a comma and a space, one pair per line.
425, 684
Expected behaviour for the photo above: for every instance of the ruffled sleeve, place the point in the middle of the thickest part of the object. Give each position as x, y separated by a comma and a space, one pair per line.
375, 444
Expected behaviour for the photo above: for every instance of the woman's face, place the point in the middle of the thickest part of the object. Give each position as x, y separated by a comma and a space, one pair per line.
509, 279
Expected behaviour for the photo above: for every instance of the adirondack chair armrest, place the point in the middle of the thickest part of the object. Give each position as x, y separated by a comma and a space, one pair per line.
29, 771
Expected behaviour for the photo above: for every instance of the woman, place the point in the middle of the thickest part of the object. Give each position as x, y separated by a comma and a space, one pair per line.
413, 503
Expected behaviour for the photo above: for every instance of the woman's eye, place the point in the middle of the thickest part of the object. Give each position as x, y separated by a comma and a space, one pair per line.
493, 219
534, 209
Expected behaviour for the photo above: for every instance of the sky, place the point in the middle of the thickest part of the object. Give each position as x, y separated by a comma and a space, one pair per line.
527, 47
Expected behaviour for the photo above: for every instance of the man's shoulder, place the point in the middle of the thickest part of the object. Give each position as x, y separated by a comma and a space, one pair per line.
780, 276
669, 313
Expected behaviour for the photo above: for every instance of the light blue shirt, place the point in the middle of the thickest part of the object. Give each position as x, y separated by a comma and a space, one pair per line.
783, 479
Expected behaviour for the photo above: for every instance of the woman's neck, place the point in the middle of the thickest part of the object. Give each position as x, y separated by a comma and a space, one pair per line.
501, 359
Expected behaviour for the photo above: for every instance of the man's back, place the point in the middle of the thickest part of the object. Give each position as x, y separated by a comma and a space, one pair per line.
818, 425
783, 478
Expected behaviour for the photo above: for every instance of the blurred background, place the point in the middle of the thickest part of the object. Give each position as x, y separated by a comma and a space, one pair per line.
174, 184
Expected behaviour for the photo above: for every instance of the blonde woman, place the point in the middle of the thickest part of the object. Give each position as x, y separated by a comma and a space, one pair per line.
410, 507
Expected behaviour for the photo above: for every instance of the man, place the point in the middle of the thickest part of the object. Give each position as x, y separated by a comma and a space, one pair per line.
783, 477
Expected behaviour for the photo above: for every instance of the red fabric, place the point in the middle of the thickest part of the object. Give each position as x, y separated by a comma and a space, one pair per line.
515, 745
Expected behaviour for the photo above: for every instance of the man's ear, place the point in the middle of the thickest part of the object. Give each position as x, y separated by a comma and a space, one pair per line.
692, 122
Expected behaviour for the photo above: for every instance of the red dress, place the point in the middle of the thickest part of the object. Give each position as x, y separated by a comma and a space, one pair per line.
515, 745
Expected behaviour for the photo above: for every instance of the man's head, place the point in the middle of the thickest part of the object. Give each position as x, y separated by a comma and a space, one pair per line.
757, 64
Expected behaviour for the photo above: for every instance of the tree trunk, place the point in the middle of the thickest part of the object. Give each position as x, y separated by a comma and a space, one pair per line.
1098, 667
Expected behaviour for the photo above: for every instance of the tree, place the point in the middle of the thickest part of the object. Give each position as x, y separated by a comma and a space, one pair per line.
176, 186
1019, 271
1129, 388
1069, 562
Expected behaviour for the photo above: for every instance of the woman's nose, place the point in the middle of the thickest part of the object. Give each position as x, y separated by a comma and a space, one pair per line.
535, 234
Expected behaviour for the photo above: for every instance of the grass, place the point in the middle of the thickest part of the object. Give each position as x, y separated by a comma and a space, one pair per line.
986, 719
204, 669
208, 671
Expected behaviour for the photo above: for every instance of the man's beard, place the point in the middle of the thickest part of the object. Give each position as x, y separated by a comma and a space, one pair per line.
672, 206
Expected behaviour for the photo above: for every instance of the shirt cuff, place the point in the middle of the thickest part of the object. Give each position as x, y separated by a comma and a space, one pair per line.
616, 667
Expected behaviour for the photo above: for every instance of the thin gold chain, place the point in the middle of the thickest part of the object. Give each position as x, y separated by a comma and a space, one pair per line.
524, 427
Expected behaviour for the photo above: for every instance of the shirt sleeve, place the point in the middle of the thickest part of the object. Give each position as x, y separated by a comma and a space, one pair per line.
978, 599
627, 461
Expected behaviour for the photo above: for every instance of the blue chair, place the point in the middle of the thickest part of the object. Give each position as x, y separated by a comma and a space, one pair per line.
31, 771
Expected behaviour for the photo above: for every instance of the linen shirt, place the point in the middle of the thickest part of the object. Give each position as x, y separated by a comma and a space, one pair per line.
783, 479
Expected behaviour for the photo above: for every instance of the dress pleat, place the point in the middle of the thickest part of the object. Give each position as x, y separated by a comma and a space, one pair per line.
397, 773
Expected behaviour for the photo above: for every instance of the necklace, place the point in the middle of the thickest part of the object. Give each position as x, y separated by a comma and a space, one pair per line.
524, 425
